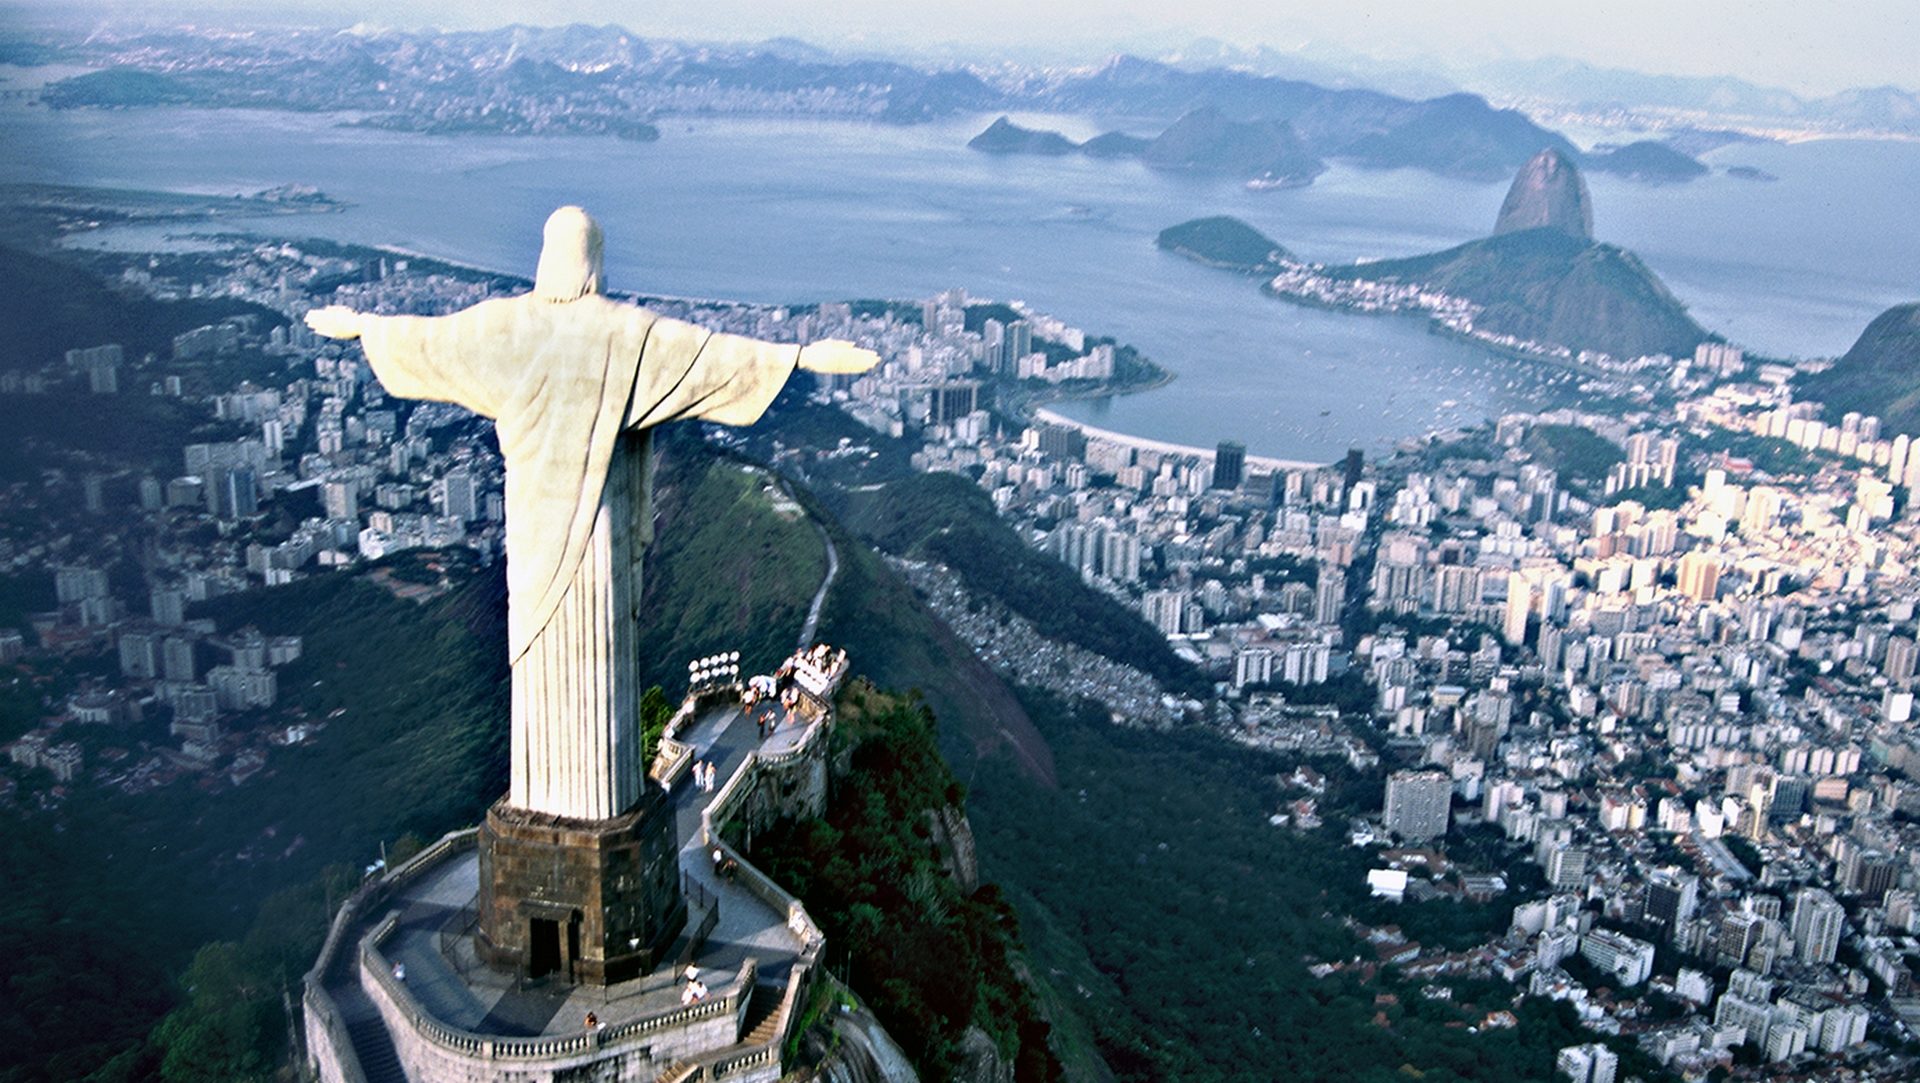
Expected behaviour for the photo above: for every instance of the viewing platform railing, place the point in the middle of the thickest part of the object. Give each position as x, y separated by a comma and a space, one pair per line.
314, 996
375, 966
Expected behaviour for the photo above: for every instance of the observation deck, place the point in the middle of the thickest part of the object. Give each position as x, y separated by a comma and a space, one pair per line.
402, 991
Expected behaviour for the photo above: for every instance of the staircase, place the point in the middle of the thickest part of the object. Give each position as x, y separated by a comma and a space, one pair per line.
763, 1015
679, 1072
379, 1062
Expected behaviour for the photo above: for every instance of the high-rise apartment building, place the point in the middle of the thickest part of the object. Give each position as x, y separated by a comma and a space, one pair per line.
1229, 465
1817, 923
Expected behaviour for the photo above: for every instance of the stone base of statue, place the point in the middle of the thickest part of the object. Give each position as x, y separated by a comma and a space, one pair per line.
589, 901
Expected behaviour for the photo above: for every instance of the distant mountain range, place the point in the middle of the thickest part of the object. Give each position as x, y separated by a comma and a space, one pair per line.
1270, 153
604, 80
1540, 278
1341, 104
1247, 121
1880, 374
517, 79
1558, 79
1457, 134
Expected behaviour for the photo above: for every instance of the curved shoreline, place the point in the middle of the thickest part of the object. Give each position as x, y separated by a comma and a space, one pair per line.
1165, 447
1034, 410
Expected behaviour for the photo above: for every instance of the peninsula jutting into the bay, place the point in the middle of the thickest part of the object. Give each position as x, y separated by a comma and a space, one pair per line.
1541, 286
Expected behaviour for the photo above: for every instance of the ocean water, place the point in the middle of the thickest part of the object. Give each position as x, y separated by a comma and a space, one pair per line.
785, 211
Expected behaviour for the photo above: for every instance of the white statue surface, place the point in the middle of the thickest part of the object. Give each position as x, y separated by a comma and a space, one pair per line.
574, 381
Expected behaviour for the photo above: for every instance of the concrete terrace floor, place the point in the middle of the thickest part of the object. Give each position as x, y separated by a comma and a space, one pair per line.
433, 935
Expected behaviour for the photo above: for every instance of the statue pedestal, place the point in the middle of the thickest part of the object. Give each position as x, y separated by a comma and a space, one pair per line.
590, 901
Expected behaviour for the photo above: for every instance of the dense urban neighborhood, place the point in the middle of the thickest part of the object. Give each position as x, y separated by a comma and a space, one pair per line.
1663, 654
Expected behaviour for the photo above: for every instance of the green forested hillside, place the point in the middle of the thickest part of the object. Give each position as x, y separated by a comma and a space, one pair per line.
727, 572
1579, 454
145, 431
1156, 891
945, 518
226, 886
49, 306
413, 702
758, 609
1880, 374
931, 959
899, 644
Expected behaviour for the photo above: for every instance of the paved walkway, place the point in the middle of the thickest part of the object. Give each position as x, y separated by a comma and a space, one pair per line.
747, 924
433, 936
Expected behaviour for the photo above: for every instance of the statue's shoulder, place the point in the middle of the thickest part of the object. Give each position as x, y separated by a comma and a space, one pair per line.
496, 309
635, 318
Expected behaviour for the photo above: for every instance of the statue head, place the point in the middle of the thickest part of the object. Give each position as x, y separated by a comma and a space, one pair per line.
569, 256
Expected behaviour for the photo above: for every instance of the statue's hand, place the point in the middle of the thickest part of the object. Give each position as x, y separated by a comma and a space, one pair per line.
335, 321
836, 357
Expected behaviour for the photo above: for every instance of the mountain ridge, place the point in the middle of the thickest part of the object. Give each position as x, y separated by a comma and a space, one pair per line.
509, 78
1879, 374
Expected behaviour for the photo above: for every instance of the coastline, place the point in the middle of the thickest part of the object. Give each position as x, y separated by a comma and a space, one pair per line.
1164, 447
1435, 327
1205, 260
1035, 409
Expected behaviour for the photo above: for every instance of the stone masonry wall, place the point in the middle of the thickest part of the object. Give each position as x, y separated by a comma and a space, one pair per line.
639, 1060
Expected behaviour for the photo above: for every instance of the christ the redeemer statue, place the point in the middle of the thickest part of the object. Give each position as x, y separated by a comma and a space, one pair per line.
574, 383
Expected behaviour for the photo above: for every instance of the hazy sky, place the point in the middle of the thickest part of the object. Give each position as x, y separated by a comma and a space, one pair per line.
1815, 46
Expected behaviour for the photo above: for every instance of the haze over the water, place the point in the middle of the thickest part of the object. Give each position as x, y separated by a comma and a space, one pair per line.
1808, 48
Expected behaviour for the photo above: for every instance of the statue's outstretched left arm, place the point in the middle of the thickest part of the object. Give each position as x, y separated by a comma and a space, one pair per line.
689, 372
422, 357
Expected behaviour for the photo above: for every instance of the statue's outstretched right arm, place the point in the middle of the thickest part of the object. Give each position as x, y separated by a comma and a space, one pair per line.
687, 371
420, 357
837, 357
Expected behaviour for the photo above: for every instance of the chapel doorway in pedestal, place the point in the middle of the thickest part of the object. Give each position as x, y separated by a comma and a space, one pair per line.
543, 947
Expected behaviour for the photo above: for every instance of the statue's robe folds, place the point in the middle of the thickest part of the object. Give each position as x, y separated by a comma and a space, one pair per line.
573, 388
